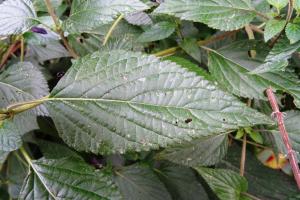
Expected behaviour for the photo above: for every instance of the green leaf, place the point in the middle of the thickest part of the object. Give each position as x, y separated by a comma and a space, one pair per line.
254, 135
297, 6
226, 15
277, 59
118, 101
226, 184
23, 82
158, 31
292, 31
263, 182
16, 16
273, 27
190, 66
16, 172
87, 15
3, 156
190, 46
40, 5
231, 65
10, 137
292, 126
138, 18
204, 152
138, 182
181, 182
279, 4
67, 178
52, 150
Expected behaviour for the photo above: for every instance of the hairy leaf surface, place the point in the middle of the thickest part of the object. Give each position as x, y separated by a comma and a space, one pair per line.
16, 16
226, 184
204, 152
140, 182
118, 101
87, 15
23, 82
67, 178
222, 14
231, 66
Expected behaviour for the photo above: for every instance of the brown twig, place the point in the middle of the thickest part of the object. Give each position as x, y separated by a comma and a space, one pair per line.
59, 30
243, 156
288, 18
172, 50
13, 48
284, 135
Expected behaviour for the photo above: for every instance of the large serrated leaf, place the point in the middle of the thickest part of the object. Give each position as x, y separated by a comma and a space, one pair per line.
87, 15
222, 14
16, 16
67, 178
230, 66
118, 101
226, 184
140, 182
23, 82
205, 152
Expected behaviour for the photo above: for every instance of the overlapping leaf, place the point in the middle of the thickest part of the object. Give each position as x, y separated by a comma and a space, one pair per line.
67, 178
16, 16
230, 66
158, 31
222, 14
140, 182
118, 101
87, 15
226, 184
10, 137
204, 152
23, 82
277, 59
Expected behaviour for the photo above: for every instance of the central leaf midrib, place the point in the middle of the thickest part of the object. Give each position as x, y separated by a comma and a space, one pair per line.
124, 102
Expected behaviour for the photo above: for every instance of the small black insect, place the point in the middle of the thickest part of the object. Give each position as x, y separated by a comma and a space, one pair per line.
188, 120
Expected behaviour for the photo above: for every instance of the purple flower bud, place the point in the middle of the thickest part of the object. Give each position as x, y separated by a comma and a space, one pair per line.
38, 30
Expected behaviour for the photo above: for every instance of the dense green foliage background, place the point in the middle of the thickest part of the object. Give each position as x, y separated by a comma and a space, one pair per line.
147, 100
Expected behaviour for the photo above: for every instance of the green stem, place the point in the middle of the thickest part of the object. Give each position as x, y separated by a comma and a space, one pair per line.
59, 30
26, 156
22, 49
112, 28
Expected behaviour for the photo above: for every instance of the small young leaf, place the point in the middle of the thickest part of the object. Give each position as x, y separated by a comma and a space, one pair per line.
158, 31
292, 31
279, 4
117, 101
67, 178
225, 183
16, 16
87, 15
228, 15
273, 27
